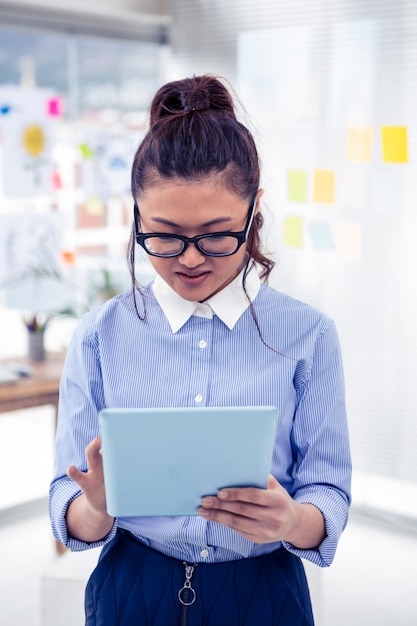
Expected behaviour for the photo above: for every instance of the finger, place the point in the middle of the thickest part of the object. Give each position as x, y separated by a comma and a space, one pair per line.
93, 455
249, 528
258, 517
76, 475
244, 494
255, 495
236, 507
94, 463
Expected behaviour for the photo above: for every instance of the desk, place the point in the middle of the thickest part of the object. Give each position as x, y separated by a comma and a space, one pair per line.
37, 390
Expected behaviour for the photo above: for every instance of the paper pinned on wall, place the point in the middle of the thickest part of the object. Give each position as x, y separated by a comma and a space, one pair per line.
293, 231
297, 185
386, 191
353, 185
349, 240
359, 142
27, 137
104, 162
30, 262
324, 186
394, 144
320, 235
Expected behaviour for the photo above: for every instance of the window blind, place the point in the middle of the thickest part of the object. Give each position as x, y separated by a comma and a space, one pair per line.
331, 90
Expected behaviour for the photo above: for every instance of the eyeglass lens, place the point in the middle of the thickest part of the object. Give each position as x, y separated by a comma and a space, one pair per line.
218, 245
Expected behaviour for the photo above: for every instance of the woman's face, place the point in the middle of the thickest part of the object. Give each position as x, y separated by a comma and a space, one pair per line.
194, 208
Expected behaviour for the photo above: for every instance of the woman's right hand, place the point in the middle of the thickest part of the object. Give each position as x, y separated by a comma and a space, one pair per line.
87, 517
92, 481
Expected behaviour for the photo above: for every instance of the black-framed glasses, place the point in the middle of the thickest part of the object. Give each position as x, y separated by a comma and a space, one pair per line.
165, 245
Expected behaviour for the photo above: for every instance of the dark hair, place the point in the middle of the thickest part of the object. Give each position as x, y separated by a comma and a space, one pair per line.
194, 134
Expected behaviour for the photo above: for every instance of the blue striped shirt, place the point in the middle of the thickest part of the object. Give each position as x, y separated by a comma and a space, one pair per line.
190, 354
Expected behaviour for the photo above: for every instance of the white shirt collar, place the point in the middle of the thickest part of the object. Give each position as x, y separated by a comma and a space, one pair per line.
228, 304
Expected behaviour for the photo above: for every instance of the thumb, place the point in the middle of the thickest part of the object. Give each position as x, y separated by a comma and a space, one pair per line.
93, 455
273, 483
94, 462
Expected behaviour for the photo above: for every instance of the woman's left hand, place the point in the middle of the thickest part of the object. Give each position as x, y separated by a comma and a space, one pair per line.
265, 515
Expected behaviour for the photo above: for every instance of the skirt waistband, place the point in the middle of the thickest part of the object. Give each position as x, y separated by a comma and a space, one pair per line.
134, 583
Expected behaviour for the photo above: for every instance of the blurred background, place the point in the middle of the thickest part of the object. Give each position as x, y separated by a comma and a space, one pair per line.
329, 90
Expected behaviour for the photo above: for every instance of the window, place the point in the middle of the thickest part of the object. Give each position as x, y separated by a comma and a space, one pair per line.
73, 109
330, 87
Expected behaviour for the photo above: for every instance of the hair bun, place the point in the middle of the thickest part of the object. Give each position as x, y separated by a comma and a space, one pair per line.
195, 100
199, 93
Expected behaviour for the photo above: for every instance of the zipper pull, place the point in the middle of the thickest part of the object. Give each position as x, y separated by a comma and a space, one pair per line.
187, 594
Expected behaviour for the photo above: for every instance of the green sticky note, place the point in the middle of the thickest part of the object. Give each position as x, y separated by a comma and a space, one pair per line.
297, 185
86, 150
394, 144
293, 231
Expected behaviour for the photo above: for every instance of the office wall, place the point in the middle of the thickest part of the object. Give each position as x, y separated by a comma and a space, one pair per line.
330, 93
330, 96
84, 85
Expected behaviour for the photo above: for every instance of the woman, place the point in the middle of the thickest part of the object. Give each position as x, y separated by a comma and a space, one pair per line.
207, 331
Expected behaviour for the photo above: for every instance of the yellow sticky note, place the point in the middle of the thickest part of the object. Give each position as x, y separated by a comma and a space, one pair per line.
297, 185
394, 144
359, 143
293, 231
324, 183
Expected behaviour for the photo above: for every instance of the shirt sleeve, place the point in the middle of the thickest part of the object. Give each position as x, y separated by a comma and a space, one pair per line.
322, 472
81, 397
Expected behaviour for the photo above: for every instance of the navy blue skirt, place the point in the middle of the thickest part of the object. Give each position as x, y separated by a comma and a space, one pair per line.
134, 585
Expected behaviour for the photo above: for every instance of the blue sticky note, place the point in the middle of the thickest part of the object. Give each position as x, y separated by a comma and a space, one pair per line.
320, 235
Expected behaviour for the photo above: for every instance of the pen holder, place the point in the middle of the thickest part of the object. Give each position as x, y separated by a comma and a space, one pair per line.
36, 346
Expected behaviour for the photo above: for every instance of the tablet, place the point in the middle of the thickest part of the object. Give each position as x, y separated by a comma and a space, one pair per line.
161, 461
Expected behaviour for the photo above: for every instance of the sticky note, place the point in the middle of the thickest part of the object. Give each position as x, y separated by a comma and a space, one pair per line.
353, 187
349, 240
320, 235
359, 143
86, 150
394, 144
293, 231
386, 191
54, 107
324, 183
297, 185
56, 180
68, 257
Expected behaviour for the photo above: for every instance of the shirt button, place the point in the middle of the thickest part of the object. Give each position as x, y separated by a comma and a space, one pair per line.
204, 553
198, 398
202, 344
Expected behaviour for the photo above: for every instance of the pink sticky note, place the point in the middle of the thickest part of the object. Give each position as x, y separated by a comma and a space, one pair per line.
54, 107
